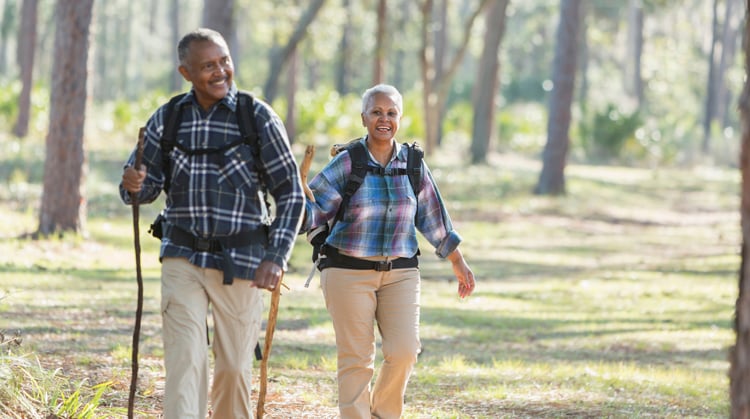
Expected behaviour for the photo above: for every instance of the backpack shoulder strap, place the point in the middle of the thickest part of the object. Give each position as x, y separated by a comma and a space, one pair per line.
171, 121
358, 154
414, 166
246, 120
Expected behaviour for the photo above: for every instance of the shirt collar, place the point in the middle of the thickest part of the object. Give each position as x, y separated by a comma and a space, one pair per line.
401, 152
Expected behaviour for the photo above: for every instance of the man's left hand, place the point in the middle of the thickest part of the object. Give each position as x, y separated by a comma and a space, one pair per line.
267, 276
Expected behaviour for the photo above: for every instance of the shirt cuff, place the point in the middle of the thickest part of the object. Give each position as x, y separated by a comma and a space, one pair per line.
277, 256
448, 245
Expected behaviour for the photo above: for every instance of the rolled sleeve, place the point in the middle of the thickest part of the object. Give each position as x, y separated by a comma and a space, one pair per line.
448, 245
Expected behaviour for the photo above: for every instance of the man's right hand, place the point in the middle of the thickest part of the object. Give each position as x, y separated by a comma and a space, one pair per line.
132, 180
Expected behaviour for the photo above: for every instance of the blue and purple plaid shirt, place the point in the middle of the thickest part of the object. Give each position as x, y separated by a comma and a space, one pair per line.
380, 219
216, 194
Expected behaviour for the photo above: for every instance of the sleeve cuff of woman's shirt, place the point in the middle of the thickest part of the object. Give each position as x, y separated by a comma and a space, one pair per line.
448, 245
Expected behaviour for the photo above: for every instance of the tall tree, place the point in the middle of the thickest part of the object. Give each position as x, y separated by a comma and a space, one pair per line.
63, 199
552, 178
711, 93
434, 90
378, 73
219, 16
291, 91
345, 50
633, 72
6, 27
280, 56
729, 40
175, 80
485, 89
25, 57
739, 354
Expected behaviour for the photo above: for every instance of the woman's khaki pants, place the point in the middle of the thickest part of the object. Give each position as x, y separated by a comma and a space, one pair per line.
356, 299
187, 291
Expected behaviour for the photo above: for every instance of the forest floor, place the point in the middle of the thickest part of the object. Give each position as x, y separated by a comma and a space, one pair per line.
615, 300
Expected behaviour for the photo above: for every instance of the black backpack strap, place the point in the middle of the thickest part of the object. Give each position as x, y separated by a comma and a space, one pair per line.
171, 120
358, 154
246, 121
414, 166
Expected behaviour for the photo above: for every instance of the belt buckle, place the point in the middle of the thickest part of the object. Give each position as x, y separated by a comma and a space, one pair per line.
202, 245
383, 266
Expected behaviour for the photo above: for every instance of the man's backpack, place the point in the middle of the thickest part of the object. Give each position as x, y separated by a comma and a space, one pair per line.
172, 117
360, 168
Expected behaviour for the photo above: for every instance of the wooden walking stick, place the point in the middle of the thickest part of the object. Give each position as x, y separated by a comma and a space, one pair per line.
275, 297
139, 277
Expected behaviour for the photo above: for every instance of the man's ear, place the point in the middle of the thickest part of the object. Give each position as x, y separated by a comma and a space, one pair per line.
183, 70
362, 115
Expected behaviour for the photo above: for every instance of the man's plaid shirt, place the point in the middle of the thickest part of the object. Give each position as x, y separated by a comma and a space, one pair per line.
216, 194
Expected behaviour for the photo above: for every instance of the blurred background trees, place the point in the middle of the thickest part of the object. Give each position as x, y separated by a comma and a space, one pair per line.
646, 82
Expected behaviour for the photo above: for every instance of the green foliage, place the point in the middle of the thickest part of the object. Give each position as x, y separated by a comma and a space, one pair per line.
9, 102
324, 114
27, 389
522, 127
459, 118
605, 136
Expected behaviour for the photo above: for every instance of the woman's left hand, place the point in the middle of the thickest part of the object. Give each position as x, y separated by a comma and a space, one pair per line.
464, 275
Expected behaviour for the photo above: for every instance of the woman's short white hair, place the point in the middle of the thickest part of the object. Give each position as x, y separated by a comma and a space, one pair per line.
385, 89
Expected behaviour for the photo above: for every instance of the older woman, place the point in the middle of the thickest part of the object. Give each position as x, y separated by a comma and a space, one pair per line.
370, 274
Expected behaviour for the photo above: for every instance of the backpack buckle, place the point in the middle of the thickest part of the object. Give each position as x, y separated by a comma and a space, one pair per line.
202, 245
383, 266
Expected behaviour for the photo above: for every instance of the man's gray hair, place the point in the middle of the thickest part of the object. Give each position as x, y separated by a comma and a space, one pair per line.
198, 35
385, 89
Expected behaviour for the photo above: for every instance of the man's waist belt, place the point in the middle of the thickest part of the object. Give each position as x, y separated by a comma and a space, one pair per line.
221, 245
334, 259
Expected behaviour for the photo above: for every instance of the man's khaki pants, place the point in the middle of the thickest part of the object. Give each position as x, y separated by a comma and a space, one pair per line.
356, 299
187, 291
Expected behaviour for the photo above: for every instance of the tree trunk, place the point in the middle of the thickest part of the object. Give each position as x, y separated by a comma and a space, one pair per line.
633, 74
63, 204
378, 74
25, 56
280, 56
485, 89
399, 55
739, 355
435, 91
729, 40
344, 53
708, 115
291, 89
175, 81
552, 178
219, 16
6, 27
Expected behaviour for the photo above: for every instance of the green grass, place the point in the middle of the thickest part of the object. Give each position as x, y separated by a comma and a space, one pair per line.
613, 301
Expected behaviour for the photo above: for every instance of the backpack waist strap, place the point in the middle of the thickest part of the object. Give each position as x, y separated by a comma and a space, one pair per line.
221, 245
334, 259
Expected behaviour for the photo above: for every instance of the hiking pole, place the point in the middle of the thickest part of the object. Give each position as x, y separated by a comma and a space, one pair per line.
270, 326
139, 277
275, 298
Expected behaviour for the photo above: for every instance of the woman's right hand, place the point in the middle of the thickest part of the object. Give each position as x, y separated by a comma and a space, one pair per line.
132, 180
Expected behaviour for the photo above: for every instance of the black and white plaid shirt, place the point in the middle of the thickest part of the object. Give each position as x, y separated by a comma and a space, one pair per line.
215, 195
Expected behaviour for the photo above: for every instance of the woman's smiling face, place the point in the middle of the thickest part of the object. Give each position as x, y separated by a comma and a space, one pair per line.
381, 117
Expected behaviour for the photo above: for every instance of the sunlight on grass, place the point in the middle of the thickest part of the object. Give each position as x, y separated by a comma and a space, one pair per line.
615, 300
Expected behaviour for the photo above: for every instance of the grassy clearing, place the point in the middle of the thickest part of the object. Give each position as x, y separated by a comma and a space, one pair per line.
614, 301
